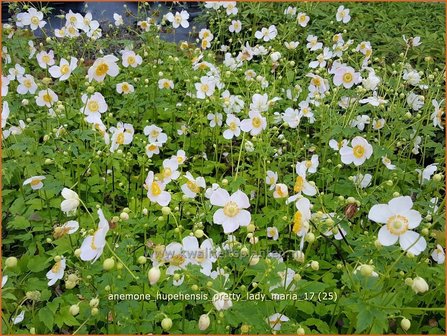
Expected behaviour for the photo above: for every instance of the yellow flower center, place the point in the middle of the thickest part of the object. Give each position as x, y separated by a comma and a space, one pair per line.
125, 87
316, 81
35, 182
102, 69
280, 192
347, 77
27, 83
47, 98
299, 184
151, 147
73, 20
35, 20
272, 232
231, 209
93, 245
308, 164
397, 224
93, 106
256, 122
233, 126
193, 186
297, 222
204, 87
177, 260
120, 139
166, 85
200, 256
57, 266
358, 151
46, 59
155, 189
131, 60
166, 172
155, 134
65, 69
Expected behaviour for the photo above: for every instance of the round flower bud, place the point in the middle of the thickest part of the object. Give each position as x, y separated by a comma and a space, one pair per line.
405, 324
108, 264
154, 275
437, 177
166, 323
225, 182
244, 251
94, 311
32, 331
11, 262
300, 331
297, 277
166, 211
70, 284
419, 285
251, 228
299, 256
409, 281
94, 302
204, 322
77, 252
198, 233
74, 310
195, 288
310, 237
145, 212
366, 270
254, 260
124, 216
141, 260
315, 265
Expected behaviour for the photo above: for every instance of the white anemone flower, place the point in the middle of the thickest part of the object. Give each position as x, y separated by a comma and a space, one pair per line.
64, 69
155, 190
222, 301
131, 59
179, 19
35, 182
27, 84
71, 200
93, 245
93, 107
255, 124
103, 66
233, 129
267, 34
275, 320
232, 215
272, 232
155, 134
193, 186
46, 98
271, 179
122, 134
204, 256
360, 151
56, 272
438, 254
343, 14
280, 191
399, 218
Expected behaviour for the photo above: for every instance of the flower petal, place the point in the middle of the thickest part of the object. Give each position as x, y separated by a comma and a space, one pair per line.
386, 238
400, 204
380, 213
412, 242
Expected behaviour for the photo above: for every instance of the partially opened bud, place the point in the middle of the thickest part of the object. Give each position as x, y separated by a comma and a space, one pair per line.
153, 275
419, 285
204, 322
405, 324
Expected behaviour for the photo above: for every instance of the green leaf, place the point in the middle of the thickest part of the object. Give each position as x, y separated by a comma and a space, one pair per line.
47, 317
